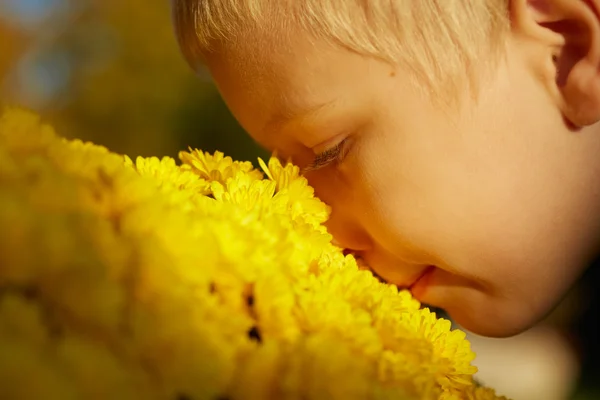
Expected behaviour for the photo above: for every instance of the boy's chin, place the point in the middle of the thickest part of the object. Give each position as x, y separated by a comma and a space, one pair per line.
479, 312
496, 318
493, 324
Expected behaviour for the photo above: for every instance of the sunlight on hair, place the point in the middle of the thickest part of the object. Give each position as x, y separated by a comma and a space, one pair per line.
437, 40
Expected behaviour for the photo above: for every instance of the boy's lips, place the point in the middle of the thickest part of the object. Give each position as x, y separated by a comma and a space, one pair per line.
419, 286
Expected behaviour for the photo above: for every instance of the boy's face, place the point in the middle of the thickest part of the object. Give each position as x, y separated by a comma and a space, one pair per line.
486, 211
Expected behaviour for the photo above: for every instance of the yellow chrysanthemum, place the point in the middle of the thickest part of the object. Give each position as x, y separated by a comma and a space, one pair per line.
472, 393
216, 167
123, 280
169, 175
300, 202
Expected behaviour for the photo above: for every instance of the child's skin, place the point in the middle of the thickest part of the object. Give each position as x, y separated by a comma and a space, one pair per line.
501, 194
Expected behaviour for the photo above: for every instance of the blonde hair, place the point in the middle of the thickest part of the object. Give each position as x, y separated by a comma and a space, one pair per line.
438, 40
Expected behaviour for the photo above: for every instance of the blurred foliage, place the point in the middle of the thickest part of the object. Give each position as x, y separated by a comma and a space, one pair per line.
14, 41
116, 77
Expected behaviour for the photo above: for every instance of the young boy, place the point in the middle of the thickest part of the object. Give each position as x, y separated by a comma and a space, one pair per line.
456, 141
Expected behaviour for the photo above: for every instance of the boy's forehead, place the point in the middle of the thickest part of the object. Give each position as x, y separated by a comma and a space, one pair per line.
307, 80
288, 84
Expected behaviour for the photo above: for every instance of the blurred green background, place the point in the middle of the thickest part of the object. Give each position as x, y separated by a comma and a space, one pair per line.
109, 71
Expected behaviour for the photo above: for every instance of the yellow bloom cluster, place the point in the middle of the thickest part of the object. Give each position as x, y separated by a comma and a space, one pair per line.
206, 280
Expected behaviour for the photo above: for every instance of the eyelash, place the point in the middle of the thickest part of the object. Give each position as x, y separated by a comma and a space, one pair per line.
333, 154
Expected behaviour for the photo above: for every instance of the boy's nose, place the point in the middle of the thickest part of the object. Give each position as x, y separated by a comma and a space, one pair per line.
342, 224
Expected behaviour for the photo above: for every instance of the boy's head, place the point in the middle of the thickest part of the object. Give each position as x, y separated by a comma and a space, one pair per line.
456, 141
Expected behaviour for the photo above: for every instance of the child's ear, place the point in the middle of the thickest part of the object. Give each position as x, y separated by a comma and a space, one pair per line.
569, 32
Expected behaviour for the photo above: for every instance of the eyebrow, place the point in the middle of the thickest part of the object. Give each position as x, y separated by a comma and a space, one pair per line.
296, 113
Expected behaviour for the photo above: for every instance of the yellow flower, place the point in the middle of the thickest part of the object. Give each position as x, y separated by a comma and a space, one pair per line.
169, 175
281, 175
22, 133
472, 393
299, 200
216, 167
153, 280
249, 195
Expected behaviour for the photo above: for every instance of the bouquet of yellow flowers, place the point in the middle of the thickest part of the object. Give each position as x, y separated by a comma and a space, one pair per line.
205, 280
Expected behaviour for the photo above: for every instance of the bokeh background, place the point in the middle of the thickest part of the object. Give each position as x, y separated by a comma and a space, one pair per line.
109, 71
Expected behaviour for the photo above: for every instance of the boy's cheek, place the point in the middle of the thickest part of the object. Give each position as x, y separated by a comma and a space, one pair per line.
511, 295
491, 279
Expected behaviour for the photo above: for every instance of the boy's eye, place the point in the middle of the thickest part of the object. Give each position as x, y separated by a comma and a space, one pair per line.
333, 154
